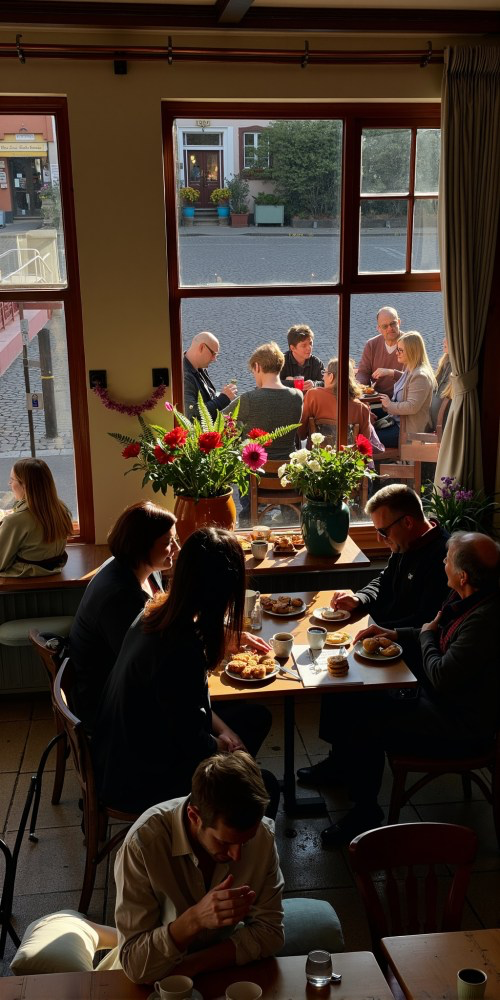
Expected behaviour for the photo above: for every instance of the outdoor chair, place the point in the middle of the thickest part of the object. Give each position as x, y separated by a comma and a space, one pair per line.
96, 815
431, 768
405, 901
424, 447
268, 491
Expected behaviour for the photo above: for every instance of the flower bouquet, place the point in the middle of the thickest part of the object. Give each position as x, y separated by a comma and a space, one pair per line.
324, 474
457, 508
199, 458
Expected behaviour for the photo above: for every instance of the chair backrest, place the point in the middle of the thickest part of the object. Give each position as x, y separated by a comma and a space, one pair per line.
329, 429
51, 651
77, 738
407, 902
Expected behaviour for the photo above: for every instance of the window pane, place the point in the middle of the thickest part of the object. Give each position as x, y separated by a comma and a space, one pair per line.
202, 139
385, 161
31, 234
382, 244
427, 161
242, 324
304, 177
425, 252
49, 396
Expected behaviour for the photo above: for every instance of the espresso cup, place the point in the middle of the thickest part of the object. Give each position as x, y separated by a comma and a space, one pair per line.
174, 987
471, 984
259, 548
316, 636
282, 643
243, 991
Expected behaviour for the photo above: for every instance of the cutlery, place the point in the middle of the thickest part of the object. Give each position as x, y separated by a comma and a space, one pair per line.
289, 673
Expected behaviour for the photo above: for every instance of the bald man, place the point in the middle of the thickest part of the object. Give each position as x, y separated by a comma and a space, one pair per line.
456, 713
204, 350
379, 363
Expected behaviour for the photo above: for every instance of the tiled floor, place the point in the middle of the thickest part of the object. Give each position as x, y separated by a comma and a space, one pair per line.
50, 872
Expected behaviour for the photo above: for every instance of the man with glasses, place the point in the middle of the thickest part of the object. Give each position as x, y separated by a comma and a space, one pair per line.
203, 351
379, 365
408, 592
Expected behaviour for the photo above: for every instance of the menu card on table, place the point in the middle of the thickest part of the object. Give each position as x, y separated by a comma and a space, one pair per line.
316, 674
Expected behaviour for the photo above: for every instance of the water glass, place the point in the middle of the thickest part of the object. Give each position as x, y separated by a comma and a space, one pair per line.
319, 968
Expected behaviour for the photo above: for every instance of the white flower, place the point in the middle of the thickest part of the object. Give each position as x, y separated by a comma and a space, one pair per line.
285, 481
314, 466
281, 470
317, 438
301, 456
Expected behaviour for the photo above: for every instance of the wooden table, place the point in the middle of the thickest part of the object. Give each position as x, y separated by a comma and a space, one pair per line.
426, 965
301, 562
83, 562
375, 677
280, 979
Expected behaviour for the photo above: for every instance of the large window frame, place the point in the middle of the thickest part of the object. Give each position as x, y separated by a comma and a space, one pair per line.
70, 297
355, 118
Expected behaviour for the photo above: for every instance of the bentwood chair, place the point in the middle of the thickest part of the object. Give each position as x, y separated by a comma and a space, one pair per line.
51, 650
406, 901
96, 815
269, 491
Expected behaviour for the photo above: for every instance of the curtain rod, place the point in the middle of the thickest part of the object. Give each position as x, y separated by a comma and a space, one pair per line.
172, 54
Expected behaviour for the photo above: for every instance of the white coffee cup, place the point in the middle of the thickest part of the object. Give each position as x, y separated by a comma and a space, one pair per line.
250, 599
316, 636
471, 984
282, 643
259, 548
174, 987
243, 991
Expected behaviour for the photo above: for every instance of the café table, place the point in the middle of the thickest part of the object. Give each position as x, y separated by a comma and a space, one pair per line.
365, 676
351, 557
426, 965
279, 978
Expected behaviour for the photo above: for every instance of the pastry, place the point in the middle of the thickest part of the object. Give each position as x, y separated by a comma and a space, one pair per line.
391, 650
337, 639
371, 645
338, 666
384, 642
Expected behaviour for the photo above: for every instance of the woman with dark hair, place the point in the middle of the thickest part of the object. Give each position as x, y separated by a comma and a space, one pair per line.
143, 544
34, 533
155, 723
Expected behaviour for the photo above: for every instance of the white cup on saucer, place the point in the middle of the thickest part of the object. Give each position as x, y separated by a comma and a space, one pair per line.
282, 643
243, 991
174, 987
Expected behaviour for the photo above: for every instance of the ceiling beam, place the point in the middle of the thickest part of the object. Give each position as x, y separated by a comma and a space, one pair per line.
204, 17
231, 11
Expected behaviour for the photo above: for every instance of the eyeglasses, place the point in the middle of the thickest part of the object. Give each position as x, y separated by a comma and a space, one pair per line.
387, 326
213, 353
384, 532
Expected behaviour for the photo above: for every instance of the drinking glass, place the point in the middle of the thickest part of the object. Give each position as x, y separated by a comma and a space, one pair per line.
298, 383
319, 968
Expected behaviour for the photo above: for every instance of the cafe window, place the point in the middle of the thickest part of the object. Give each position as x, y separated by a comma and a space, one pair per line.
359, 190
41, 368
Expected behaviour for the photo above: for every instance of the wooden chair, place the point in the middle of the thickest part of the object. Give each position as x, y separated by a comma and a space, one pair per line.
405, 902
10, 869
268, 491
431, 768
51, 651
422, 447
96, 815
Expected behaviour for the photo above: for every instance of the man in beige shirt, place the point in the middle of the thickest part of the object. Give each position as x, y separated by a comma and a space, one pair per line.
198, 880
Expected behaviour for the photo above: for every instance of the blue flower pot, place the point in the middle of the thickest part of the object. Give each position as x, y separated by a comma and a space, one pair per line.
223, 211
325, 527
188, 211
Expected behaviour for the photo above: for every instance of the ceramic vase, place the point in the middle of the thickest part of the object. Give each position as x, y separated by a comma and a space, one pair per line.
325, 527
192, 514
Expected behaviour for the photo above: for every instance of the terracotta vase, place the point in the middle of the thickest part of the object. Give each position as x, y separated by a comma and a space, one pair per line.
192, 514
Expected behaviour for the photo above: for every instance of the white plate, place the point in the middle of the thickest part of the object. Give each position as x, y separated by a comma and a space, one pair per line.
285, 614
251, 680
194, 995
377, 656
340, 616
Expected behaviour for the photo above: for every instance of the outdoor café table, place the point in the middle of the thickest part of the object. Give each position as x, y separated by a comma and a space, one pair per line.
426, 965
374, 676
280, 979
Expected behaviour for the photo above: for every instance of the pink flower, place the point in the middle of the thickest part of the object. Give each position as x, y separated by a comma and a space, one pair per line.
168, 406
210, 440
255, 456
131, 450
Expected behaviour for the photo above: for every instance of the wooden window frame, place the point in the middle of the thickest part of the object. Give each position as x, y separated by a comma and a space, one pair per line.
71, 299
355, 117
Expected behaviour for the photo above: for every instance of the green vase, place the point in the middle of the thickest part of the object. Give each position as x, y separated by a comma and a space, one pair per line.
325, 527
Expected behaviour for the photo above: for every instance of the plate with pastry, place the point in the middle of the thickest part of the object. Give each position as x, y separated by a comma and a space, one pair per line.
283, 606
249, 665
328, 614
378, 648
283, 546
335, 639
245, 542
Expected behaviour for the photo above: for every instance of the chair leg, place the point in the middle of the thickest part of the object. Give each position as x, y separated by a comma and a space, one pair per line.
10, 872
91, 852
467, 785
61, 758
60, 738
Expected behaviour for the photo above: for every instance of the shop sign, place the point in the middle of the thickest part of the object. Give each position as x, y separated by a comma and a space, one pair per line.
15, 148
25, 137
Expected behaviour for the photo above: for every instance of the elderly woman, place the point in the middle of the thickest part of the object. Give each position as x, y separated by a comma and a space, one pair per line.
33, 535
412, 394
143, 544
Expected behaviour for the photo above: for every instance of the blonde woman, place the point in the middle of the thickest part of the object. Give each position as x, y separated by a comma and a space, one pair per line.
412, 394
33, 535
321, 403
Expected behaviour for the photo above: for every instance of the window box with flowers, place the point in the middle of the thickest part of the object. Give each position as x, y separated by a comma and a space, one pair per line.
200, 460
326, 478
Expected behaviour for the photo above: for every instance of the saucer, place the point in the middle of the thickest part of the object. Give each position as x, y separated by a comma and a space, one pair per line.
195, 995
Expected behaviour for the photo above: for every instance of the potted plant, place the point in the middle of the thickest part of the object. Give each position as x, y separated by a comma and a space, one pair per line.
326, 478
239, 192
220, 198
269, 209
200, 460
457, 508
189, 196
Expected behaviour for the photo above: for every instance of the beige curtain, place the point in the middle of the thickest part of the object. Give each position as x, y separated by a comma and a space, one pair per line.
469, 200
